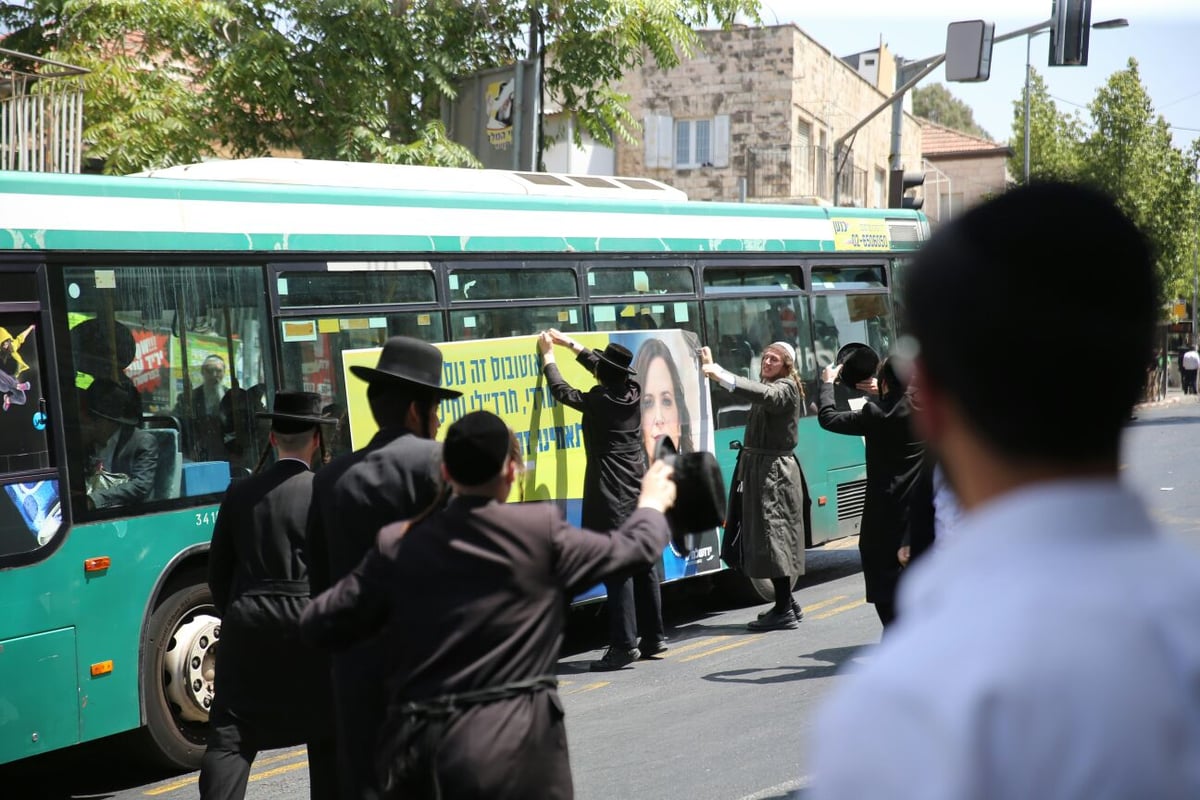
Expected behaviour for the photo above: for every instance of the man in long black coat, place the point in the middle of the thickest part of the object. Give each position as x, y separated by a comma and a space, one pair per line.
474, 598
894, 457
272, 690
393, 478
616, 461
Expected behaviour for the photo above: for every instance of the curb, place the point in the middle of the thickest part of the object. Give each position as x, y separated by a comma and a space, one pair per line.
1169, 400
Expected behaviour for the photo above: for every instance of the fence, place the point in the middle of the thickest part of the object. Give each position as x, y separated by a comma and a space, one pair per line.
41, 114
783, 173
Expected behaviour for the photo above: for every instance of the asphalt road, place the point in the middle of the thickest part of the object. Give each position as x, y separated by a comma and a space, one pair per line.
725, 715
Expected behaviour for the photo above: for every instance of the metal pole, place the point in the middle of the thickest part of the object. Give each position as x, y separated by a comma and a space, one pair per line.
1025, 171
896, 162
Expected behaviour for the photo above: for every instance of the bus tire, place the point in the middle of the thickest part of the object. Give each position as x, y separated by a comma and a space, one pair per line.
180, 646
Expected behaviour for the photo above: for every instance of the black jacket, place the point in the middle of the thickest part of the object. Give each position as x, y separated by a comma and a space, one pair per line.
393, 478
893, 461
612, 437
259, 583
475, 597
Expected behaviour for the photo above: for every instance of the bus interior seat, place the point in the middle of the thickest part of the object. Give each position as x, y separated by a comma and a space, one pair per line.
168, 471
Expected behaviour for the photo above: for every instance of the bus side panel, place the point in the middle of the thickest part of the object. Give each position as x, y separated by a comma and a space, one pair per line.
39, 710
834, 466
105, 609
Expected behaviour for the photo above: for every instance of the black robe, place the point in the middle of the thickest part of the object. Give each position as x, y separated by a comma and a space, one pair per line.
265, 676
893, 463
612, 436
393, 478
475, 597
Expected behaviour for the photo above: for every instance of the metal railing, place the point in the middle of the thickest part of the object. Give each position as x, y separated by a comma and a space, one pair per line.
41, 114
793, 172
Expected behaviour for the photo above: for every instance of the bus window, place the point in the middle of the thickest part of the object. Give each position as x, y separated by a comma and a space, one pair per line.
738, 330
761, 281
519, 281
496, 323
869, 276
645, 315
382, 287
312, 355
170, 367
841, 319
30, 512
639, 280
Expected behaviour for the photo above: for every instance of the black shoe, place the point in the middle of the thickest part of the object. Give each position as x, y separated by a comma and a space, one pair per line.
652, 649
615, 658
796, 610
774, 620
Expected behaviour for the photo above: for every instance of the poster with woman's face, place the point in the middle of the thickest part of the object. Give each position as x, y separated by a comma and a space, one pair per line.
674, 394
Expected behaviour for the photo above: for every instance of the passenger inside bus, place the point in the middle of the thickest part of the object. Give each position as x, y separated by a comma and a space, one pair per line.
200, 413
122, 459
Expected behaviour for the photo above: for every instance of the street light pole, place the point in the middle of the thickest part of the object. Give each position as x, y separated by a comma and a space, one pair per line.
1104, 25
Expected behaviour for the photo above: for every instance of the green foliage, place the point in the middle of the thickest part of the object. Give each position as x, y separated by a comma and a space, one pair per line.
360, 80
935, 103
1127, 151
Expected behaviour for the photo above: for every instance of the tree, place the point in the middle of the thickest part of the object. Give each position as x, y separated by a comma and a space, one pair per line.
1130, 154
361, 80
1054, 136
935, 103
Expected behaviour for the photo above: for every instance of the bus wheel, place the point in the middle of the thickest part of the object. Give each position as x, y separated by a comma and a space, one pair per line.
177, 676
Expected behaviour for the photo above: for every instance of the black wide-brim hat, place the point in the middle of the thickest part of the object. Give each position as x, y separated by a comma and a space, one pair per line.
302, 407
699, 491
112, 401
405, 361
859, 362
617, 357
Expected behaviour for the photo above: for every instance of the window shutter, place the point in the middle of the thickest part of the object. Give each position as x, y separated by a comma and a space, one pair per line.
720, 140
656, 135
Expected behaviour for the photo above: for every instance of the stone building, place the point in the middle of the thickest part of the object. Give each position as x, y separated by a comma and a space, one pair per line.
756, 111
960, 170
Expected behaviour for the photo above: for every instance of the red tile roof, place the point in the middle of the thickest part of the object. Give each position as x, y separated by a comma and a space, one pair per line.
938, 140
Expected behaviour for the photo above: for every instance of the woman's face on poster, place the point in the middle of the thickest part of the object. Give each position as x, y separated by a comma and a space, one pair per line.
660, 409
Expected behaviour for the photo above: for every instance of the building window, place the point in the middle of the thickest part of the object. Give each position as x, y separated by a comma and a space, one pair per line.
693, 143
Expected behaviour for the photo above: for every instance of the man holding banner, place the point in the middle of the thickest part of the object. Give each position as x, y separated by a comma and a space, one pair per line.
616, 462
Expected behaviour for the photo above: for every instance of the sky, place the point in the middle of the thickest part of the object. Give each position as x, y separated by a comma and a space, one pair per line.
1162, 35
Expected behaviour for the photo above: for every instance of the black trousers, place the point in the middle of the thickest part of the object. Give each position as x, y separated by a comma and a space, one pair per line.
1188, 377
634, 609
232, 748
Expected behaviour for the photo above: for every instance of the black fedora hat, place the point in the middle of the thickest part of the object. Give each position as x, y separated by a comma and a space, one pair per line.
407, 361
297, 407
699, 491
859, 362
616, 357
112, 401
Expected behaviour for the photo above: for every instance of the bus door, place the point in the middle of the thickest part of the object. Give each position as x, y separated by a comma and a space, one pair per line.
38, 699
850, 303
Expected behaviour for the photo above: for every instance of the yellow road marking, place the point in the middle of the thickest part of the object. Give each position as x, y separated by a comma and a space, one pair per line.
260, 762
271, 773
822, 604
840, 609
730, 646
589, 687
705, 642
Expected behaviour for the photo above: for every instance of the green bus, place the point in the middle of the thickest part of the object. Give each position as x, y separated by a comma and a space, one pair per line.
203, 289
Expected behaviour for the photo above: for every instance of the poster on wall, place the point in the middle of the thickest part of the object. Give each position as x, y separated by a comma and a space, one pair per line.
504, 376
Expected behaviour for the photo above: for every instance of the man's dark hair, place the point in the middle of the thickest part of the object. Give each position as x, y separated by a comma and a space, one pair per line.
996, 300
390, 401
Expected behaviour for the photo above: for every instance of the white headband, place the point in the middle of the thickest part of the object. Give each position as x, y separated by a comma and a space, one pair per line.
787, 348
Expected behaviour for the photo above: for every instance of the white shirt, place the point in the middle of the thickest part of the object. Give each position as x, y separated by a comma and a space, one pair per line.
1191, 359
946, 510
1053, 653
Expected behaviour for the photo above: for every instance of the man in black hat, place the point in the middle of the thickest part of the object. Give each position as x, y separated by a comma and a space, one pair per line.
393, 478
122, 457
259, 584
474, 598
616, 461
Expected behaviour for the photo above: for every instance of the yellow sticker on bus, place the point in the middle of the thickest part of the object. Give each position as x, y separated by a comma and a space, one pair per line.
857, 233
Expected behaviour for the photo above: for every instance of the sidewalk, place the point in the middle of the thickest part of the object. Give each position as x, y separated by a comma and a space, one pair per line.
1174, 397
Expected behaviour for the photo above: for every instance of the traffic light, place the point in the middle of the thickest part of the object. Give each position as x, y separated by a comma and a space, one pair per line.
1070, 30
899, 183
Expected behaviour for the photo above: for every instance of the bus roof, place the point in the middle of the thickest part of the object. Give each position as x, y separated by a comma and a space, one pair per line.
299, 206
